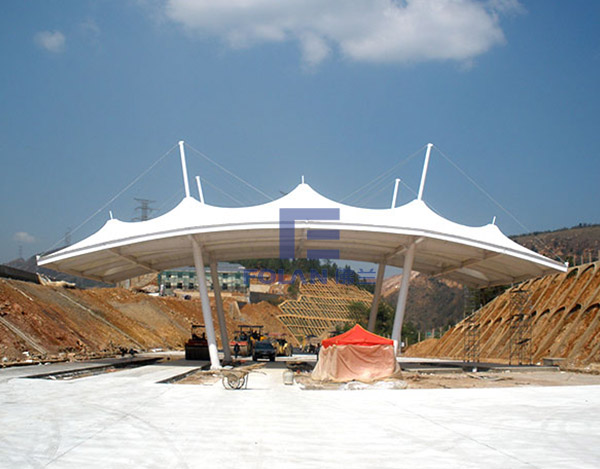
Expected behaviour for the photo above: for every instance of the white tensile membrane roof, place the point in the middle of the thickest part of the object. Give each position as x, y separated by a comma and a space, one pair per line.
300, 224
474, 256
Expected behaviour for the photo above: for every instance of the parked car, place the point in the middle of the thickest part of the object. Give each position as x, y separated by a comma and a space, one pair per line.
264, 349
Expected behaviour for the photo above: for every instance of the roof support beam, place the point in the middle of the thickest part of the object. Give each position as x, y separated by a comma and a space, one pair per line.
399, 250
78, 273
402, 296
206, 312
403, 248
466, 263
214, 273
133, 260
376, 296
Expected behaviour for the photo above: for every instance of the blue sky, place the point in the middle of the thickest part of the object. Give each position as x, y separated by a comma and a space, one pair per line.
93, 93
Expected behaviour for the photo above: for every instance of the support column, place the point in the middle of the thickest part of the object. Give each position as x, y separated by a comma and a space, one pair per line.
402, 296
376, 296
424, 173
206, 312
395, 193
186, 183
219, 302
200, 193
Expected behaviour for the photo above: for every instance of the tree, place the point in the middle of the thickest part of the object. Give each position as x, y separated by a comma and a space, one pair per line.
360, 313
385, 319
345, 275
410, 335
294, 290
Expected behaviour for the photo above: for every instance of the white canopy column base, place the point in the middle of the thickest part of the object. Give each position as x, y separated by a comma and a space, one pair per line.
206, 312
376, 297
402, 296
219, 302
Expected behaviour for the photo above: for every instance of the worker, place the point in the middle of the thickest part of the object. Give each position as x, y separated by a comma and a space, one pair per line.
236, 349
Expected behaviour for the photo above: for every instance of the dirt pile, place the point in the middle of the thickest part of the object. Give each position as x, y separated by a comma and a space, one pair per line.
425, 348
498, 379
266, 314
560, 319
48, 323
319, 308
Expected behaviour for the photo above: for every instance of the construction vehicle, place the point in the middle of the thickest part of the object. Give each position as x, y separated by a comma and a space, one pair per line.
310, 343
283, 347
246, 337
196, 348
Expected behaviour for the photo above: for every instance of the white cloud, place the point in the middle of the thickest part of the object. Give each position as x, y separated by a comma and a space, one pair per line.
507, 6
314, 49
90, 28
384, 31
90, 32
23, 237
52, 41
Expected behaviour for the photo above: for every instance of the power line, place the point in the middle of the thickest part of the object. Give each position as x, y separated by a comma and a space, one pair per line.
127, 187
385, 173
498, 204
222, 191
222, 168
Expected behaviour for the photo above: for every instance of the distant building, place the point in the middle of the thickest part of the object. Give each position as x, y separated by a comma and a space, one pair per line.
231, 278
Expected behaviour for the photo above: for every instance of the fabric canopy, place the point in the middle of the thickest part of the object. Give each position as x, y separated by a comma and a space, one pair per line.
357, 336
474, 256
356, 355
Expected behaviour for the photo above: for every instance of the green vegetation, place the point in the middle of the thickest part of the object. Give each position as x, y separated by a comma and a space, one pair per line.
293, 290
334, 272
288, 266
577, 245
564, 228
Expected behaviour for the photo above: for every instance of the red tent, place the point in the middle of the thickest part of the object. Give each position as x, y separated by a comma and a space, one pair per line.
357, 336
356, 355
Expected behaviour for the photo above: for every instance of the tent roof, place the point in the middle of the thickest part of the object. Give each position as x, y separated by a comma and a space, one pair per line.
357, 336
475, 256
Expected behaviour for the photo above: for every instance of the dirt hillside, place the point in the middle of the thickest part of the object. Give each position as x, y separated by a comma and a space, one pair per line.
577, 245
560, 319
432, 302
52, 323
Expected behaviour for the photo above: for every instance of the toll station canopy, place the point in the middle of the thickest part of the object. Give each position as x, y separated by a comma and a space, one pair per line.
314, 226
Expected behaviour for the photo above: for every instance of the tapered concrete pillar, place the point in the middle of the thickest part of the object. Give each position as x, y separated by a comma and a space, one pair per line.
376, 297
402, 296
206, 312
219, 302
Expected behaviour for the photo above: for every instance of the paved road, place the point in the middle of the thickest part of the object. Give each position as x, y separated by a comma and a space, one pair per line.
126, 419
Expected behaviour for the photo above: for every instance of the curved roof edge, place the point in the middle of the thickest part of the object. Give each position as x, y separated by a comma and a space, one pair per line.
374, 235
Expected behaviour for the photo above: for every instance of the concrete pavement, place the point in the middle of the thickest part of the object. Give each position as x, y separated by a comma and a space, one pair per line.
126, 419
